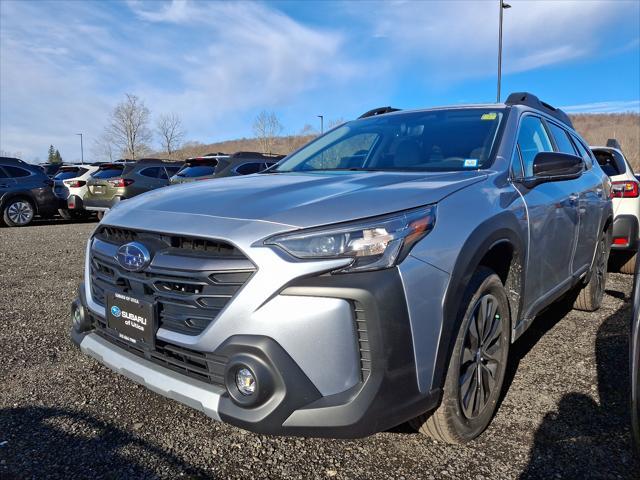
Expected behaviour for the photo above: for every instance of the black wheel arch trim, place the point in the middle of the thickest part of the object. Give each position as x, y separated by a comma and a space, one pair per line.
502, 228
19, 194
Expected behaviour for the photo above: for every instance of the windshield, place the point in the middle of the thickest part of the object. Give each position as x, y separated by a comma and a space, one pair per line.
438, 140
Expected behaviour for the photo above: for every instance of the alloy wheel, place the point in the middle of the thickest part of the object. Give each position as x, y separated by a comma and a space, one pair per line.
481, 356
20, 212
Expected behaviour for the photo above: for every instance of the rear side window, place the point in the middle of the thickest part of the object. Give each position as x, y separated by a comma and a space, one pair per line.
532, 139
151, 172
249, 168
108, 172
584, 153
16, 172
608, 163
171, 171
563, 141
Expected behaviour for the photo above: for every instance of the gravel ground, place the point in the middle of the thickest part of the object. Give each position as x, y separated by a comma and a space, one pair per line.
63, 415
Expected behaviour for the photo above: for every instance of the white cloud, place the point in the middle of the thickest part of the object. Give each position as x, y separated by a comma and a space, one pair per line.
605, 107
459, 39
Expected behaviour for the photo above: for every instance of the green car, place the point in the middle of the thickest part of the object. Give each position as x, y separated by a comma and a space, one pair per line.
117, 181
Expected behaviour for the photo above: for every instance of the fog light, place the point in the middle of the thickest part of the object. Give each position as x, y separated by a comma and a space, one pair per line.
245, 381
79, 319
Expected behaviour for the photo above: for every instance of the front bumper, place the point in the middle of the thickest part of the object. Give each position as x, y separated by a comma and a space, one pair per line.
385, 394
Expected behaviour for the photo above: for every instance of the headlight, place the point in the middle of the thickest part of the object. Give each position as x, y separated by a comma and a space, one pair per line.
373, 243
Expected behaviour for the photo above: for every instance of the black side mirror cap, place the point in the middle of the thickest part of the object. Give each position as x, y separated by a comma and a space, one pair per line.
553, 167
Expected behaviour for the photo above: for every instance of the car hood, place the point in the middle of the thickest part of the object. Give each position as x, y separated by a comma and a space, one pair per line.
300, 199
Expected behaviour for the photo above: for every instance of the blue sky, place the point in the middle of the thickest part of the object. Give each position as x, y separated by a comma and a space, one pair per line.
65, 65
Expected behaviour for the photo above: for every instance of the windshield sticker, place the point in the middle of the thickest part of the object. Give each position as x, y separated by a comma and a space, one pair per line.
470, 162
489, 116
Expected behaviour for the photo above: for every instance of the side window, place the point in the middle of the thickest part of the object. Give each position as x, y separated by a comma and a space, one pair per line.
584, 153
16, 172
249, 168
516, 164
151, 172
532, 140
163, 174
562, 139
3, 174
171, 171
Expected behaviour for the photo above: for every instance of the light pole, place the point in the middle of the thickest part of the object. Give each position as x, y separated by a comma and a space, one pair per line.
321, 117
503, 6
81, 149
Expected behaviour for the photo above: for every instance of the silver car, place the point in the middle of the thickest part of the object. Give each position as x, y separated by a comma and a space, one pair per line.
378, 275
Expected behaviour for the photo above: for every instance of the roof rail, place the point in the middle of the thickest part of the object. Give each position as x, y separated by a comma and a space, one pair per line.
378, 111
218, 154
530, 100
614, 143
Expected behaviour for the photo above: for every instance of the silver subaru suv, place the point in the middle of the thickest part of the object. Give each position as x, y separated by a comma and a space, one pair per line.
376, 276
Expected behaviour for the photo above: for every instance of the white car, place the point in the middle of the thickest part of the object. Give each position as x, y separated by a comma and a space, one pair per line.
70, 186
626, 205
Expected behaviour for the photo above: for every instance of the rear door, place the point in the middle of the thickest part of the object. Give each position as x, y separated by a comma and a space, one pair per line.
148, 178
553, 218
593, 203
6, 182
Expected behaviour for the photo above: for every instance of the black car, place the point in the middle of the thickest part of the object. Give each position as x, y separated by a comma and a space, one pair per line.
220, 165
245, 163
25, 191
50, 169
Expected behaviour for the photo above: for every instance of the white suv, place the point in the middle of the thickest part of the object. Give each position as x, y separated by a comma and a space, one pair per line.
626, 205
70, 186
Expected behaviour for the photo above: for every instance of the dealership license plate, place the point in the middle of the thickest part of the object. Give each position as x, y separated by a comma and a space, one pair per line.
134, 320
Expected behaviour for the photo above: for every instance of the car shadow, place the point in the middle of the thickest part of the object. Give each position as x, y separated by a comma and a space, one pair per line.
585, 438
39, 442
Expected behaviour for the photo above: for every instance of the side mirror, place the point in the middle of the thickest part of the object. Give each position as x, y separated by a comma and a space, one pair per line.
553, 167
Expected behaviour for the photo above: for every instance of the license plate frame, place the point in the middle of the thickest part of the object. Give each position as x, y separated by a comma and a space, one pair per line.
132, 319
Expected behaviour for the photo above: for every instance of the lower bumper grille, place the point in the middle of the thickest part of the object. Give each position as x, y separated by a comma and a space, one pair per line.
205, 367
363, 340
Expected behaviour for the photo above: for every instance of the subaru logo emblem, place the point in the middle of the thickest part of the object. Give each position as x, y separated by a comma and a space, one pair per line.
115, 311
133, 256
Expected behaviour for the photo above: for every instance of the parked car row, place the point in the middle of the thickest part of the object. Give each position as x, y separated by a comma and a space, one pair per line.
378, 275
75, 191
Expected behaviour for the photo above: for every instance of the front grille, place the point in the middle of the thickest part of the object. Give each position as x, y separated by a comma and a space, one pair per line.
363, 340
205, 367
191, 282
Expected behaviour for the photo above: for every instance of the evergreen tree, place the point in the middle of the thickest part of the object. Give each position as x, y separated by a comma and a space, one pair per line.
52, 154
57, 158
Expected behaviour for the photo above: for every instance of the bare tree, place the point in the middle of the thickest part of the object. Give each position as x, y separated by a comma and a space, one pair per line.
129, 127
104, 148
169, 128
266, 128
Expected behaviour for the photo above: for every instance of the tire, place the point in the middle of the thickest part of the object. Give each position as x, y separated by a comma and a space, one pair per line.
629, 267
18, 212
589, 298
466, 408
67, 214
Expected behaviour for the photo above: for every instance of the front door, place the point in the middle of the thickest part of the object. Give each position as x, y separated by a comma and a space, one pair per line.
553, 218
